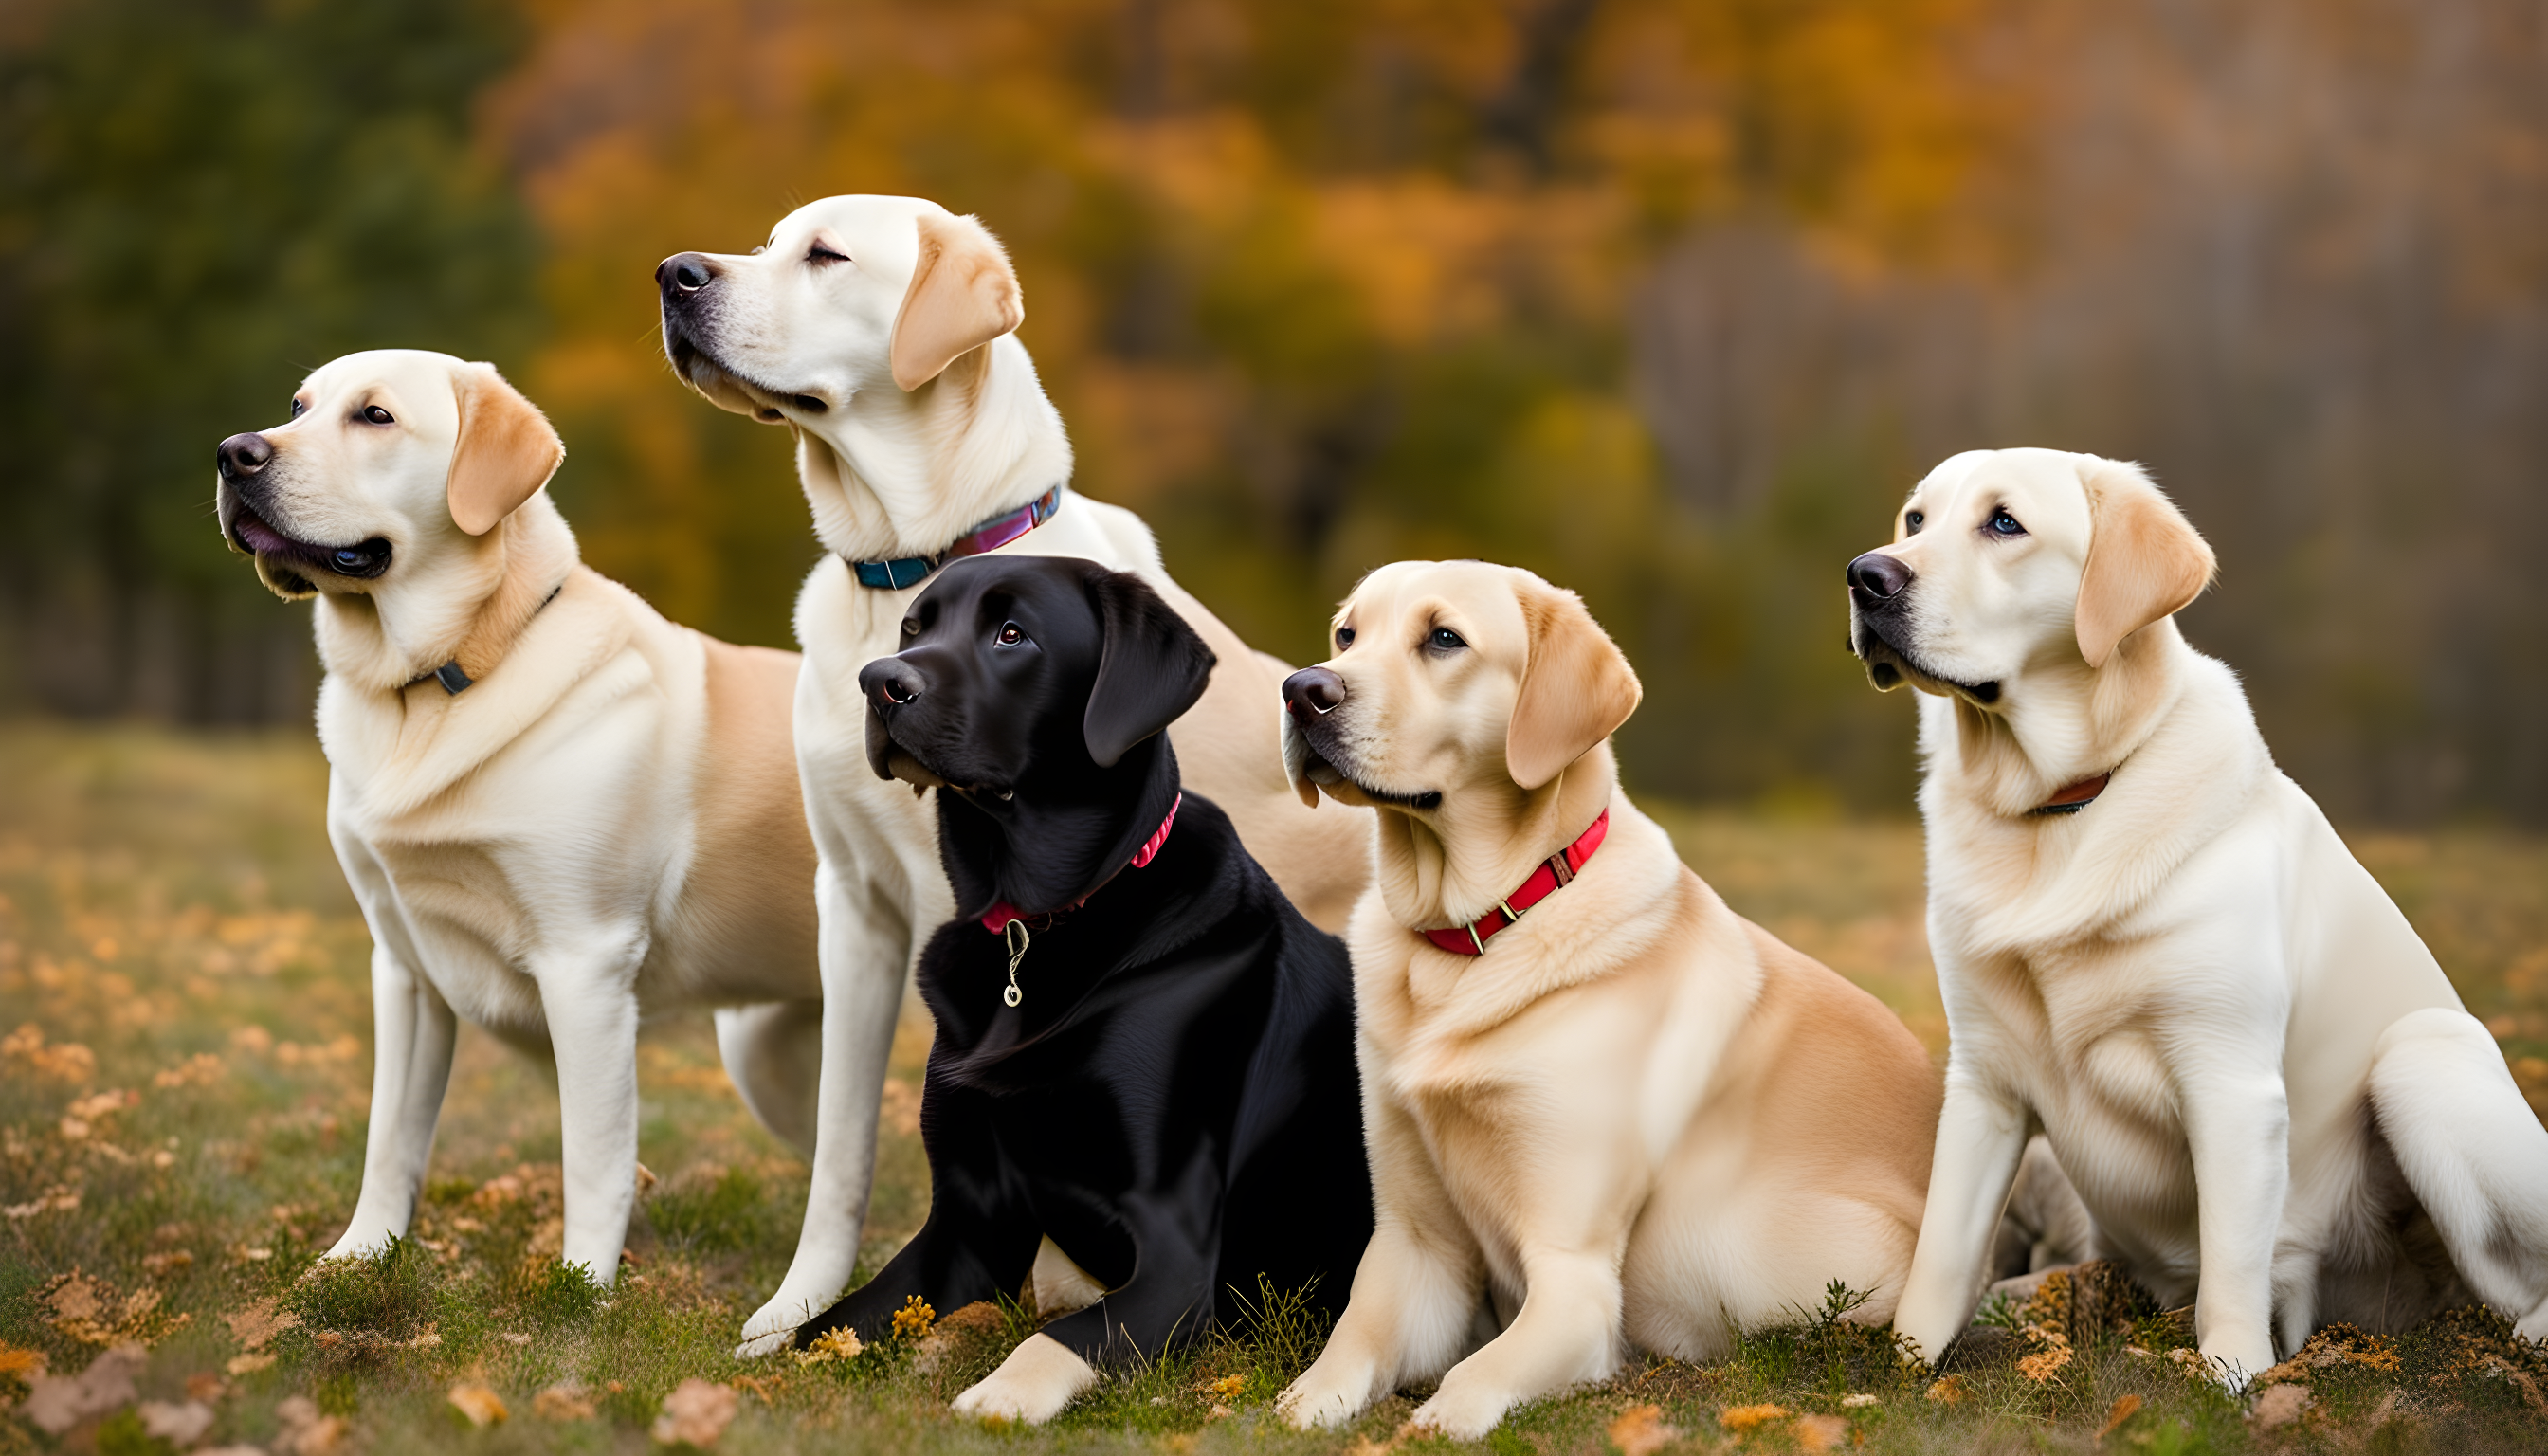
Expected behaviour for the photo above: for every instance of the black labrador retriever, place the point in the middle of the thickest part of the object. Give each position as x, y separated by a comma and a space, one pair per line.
1143, 1052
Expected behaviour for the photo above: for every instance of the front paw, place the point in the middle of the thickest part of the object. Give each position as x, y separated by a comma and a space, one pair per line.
1322, 1397
358, 1243
1031, 1387
1464, 1413
769, 1329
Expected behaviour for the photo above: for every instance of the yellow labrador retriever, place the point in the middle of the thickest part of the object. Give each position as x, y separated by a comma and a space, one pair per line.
2152, 945
882, 333
560, 812
1628, 1115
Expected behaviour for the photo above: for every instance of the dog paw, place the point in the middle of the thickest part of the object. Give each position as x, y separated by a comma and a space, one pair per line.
756, 1346
1463, 1416
1031, 1387
1312, 1403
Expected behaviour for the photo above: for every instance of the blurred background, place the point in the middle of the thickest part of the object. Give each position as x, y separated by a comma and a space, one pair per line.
1667, 299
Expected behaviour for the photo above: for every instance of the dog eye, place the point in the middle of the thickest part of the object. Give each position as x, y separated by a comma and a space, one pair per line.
1010, 635
1444, 640
2001, 523
1912, 521
378, 416
821, 255
1345, 638
911, 626
299, 406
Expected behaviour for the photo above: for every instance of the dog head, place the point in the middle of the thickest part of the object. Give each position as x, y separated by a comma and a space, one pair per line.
1452, 680
1027, 676
392, 460
849, 295
2007, 563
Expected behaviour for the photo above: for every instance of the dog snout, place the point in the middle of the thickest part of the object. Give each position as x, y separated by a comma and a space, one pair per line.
243, 456
890, 682
1313, 692
685, 273
1875, 578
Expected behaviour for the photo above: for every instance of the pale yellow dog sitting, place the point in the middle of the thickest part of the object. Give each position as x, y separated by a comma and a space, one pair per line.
1634, 1119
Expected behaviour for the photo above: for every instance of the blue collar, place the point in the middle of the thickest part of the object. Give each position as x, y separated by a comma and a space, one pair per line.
990, 535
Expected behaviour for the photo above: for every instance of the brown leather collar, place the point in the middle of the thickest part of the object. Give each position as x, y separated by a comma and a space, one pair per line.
2075, 797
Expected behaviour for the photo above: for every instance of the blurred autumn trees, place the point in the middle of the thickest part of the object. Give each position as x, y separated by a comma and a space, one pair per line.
1669, 300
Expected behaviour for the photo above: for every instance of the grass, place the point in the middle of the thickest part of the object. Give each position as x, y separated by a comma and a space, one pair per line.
181, 1133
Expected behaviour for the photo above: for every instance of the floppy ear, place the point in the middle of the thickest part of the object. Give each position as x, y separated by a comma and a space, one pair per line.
505, 453
2144, 560
962, 294
1152, 670
1577, 687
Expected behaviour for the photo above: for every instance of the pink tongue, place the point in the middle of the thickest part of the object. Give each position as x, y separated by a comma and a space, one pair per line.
259, 536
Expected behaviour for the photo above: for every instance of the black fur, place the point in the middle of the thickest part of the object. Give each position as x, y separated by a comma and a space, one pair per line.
1174, 1100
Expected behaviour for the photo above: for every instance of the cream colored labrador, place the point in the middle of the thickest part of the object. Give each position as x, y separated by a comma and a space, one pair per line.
1629, 1118
881, 331
2152, 945
560, 812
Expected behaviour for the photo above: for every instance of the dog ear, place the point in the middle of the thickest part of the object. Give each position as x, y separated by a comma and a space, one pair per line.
1152, 670
505, 452
1576, 687
2144, 559
962, 294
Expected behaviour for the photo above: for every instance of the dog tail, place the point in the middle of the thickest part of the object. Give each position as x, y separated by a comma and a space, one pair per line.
2474, 1153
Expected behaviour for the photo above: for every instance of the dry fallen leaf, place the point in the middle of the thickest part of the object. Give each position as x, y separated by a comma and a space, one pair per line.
56, 1403
248, 1364
2124, 1409
306, 1433
1860, 1402
22, 1363
2044, 1364
1950, 1391
1640, 1430
179, 1424
563, 1403
1744, 1417
1820, 1432
696, 1412
259, 1322
2277, 1406
480, 1403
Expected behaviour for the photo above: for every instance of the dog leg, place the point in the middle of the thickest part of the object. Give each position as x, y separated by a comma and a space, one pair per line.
1414, 1302
592, 1012
866, 952
2473, 1153
1981, 1135
2237, 1129
773, 1052
1040, 1377
412, 1030
1568, 1333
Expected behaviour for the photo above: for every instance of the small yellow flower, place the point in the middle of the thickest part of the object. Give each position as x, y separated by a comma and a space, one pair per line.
839, 1344
2045, 1364
913, 1319
1229, 1385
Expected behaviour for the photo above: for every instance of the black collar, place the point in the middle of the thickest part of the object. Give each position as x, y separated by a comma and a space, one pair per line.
455, 681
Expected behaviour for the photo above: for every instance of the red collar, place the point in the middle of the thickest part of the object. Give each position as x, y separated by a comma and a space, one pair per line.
997, 918
2075, 797
1551, 874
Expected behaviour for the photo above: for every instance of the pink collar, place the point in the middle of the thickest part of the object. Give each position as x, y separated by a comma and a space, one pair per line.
1550, 876
997, 918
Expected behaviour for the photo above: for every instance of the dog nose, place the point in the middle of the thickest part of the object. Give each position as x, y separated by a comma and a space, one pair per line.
1313, 690
242, 456
1875, 578
890, 682
685, 273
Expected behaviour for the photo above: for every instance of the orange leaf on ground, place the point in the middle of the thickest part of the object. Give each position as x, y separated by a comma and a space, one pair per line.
480, 1403
1640, 1429
1744, 1417
1820, 1432
2124, 1409
696, 1412
1950, 1391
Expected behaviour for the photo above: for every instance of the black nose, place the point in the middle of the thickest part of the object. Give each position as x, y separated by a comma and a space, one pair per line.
890, 682
1876, 579
685, 273
242, 456
1313, 690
